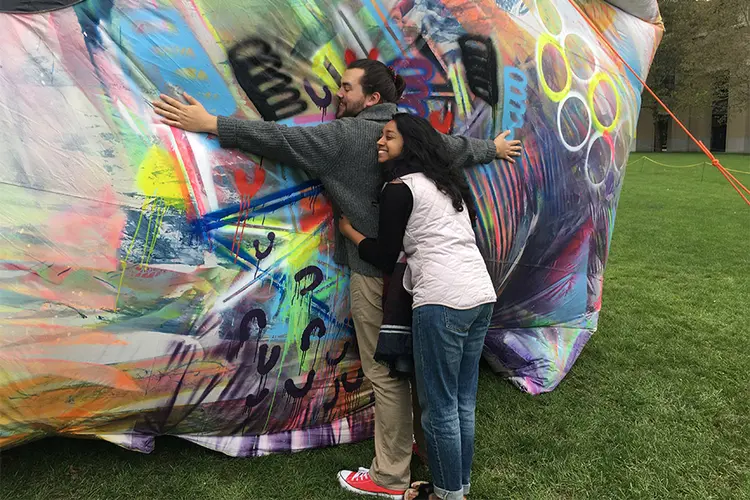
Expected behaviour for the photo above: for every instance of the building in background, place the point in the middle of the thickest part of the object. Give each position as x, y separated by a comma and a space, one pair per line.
724, 127
702, 59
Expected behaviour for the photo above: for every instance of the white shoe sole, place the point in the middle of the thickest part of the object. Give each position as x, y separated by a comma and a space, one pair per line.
348, 487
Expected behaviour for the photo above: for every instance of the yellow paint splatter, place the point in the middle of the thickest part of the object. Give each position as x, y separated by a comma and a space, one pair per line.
159, 175
124, 262
328, 54
160, 211
460, 90
192, 74
304, 248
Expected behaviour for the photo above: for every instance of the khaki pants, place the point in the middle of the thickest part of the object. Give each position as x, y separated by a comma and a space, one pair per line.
394, 398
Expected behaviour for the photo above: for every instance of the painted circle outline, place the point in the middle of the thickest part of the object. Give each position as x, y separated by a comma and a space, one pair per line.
556, 96
627, 103
541, 21
595, 80
624, 126
581, 98
607, 138
593, 53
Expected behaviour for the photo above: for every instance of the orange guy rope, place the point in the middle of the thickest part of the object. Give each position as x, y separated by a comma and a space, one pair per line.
735, 183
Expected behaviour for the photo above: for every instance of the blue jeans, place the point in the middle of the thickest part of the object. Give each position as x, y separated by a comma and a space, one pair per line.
447, 348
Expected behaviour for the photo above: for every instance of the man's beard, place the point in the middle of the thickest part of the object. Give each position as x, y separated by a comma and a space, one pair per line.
350, 110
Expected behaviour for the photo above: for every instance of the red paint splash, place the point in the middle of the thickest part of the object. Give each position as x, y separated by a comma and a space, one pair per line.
247, 190
442, 123
314, 214
350, 56
244, 186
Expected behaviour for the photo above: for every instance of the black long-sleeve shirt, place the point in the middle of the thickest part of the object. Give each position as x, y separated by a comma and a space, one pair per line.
396, 203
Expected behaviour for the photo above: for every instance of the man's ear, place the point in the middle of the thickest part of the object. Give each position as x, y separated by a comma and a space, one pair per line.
373, 99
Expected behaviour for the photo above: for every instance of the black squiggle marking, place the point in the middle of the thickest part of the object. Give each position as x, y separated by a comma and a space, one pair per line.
313, 271
257, 69
321, 102
243, 335
300, 392
253, 400
315, 325
352, 386
478, 55
260, 255
331, 404
264, 367
260, 317
340, 357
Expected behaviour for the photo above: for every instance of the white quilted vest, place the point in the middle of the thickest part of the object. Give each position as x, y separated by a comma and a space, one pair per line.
444, 265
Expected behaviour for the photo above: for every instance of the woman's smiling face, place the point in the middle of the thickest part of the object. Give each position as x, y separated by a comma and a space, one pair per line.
391, 143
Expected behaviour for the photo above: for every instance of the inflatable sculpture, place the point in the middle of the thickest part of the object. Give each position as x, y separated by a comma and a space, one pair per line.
152, 283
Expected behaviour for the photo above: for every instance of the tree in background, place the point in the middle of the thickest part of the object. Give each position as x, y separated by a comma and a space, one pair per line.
704, 57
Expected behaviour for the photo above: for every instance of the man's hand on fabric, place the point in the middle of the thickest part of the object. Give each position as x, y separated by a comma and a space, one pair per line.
505, 149
192, 117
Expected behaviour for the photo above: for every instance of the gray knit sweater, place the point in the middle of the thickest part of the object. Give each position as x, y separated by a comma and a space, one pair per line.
343, 154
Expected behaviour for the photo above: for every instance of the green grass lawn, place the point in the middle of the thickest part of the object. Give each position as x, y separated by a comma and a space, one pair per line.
658, 405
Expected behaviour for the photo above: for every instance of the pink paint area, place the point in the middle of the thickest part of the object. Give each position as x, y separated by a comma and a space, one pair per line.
87, 234
308, 119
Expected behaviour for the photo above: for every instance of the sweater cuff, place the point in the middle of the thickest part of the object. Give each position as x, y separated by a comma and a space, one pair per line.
491, 152
227, 128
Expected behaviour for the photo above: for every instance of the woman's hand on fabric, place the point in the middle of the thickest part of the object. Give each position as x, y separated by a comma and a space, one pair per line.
192, 117
505, 149
346, 228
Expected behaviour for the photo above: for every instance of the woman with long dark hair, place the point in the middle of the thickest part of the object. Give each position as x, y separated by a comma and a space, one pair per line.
426, 212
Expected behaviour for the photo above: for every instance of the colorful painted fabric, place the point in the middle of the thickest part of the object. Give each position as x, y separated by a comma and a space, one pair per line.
153, 283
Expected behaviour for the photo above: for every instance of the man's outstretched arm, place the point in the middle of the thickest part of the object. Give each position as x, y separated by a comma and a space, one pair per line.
315, 150
468, 151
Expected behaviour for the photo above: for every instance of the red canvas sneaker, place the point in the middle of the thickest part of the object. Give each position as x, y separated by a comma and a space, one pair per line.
361, 483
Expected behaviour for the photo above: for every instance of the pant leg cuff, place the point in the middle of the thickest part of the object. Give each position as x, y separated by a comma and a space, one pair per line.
448, 495
378, 479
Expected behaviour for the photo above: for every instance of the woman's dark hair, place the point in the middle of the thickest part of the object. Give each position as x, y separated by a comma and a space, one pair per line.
379, 78
425, 149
